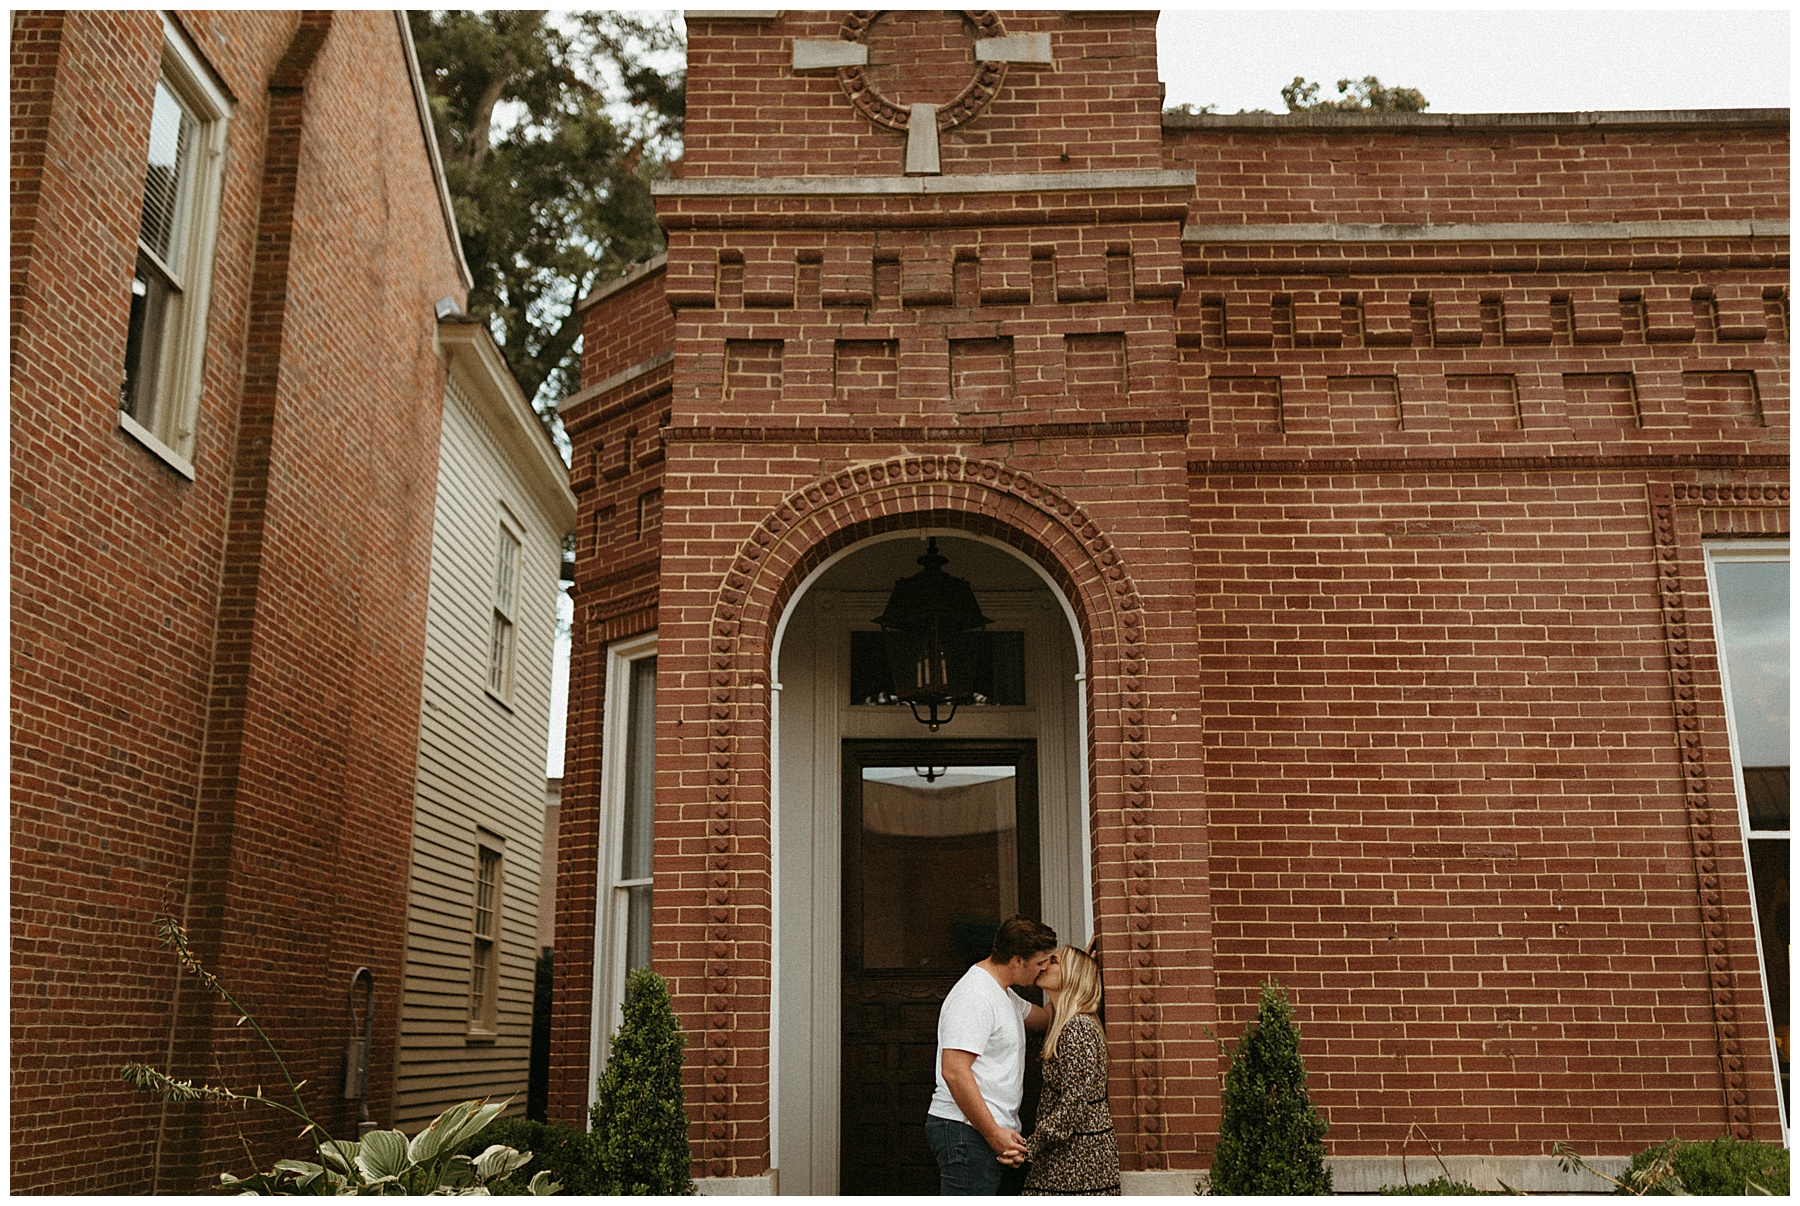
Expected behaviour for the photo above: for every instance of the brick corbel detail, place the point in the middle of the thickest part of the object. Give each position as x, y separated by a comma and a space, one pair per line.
852, 504
1716, 932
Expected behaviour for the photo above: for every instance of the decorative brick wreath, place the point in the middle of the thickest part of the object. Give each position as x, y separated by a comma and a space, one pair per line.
981, 88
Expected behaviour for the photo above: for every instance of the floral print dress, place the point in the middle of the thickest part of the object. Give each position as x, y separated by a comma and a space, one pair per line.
1073, 1149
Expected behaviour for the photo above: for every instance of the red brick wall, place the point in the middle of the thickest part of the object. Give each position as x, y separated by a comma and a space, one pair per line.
1386, 556
293, 716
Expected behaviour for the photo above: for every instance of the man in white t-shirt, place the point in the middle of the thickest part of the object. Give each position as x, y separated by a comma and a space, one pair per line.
973, 1123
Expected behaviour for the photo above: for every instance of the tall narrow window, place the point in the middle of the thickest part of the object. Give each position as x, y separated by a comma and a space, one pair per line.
484, 926
502, 630
628, 781
1749, 580
160, 392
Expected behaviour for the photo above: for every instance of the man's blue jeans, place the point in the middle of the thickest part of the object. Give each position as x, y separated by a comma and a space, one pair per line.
967, 1166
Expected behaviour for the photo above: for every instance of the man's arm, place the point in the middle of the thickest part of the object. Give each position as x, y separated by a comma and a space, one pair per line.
1038, 1018
959, 1078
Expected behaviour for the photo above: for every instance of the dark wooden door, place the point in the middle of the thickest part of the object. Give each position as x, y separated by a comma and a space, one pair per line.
940, 844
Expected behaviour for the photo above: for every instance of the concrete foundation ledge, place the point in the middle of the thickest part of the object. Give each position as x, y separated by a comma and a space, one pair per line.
1349, 1174
1370, 1174
725, 1187
1528, 1174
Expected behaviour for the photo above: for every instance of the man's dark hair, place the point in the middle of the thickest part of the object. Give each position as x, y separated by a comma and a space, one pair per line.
1019, 937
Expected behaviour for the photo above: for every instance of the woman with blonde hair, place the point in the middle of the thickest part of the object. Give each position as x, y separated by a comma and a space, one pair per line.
1073, 1149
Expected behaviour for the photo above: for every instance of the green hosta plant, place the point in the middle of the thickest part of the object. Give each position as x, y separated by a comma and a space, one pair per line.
381, 1162
387, 1162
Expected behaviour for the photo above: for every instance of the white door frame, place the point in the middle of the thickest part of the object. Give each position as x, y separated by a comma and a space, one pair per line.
807, 727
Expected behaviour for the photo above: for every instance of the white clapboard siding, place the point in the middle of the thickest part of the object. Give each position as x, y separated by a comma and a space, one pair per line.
481, 760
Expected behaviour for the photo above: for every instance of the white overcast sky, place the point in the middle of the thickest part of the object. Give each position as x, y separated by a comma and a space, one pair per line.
1517, 60
1482, 60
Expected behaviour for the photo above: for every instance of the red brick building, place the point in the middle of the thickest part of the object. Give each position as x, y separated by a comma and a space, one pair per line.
219, 572
1359, 490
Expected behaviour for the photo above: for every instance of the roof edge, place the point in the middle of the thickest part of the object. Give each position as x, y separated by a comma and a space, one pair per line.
1421, 123
472, 354
630, 277
422, 104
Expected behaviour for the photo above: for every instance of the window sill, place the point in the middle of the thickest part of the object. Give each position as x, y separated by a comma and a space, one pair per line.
482, 1037
499, 699
148, 439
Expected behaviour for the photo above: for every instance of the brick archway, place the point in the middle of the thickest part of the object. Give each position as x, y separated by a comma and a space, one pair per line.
829, 514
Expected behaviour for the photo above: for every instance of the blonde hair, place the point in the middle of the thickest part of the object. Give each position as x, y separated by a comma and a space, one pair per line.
1080, 993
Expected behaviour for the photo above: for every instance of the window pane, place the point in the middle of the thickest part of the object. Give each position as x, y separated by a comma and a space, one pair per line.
506, 573
640, 771
1752, 618
150, 293
637, 928
940, 863
500, 655
171, 138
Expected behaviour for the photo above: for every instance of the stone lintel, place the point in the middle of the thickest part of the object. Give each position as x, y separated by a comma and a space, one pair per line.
922, 141
828, 54
1026, 50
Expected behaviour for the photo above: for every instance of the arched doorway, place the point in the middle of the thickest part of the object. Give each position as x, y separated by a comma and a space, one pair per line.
870, 811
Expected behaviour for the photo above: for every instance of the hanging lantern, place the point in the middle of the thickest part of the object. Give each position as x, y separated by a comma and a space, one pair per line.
925, 633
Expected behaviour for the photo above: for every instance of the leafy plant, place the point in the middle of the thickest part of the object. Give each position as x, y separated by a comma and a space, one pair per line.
387, 1162
1438, 1187
381, 1162
565, 1152
1271, 1137
1722, 1167
640, 1124
1731, 1166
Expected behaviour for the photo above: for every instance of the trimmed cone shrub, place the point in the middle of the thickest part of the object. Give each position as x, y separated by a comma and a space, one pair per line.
1271, 1138
640, 1124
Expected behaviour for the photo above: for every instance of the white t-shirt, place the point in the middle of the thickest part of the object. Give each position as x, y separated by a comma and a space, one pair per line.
982, 1017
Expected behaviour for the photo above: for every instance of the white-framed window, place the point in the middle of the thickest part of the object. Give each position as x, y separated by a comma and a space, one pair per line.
1748, 581
503, 625
484, 933
628, 800
159, 396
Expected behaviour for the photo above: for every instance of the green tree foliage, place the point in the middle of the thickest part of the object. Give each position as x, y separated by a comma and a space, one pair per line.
1367, 95
551, 128
640, 1123
1271, 1138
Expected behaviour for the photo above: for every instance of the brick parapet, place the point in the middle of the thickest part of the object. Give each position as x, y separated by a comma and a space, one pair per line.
1355, 174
